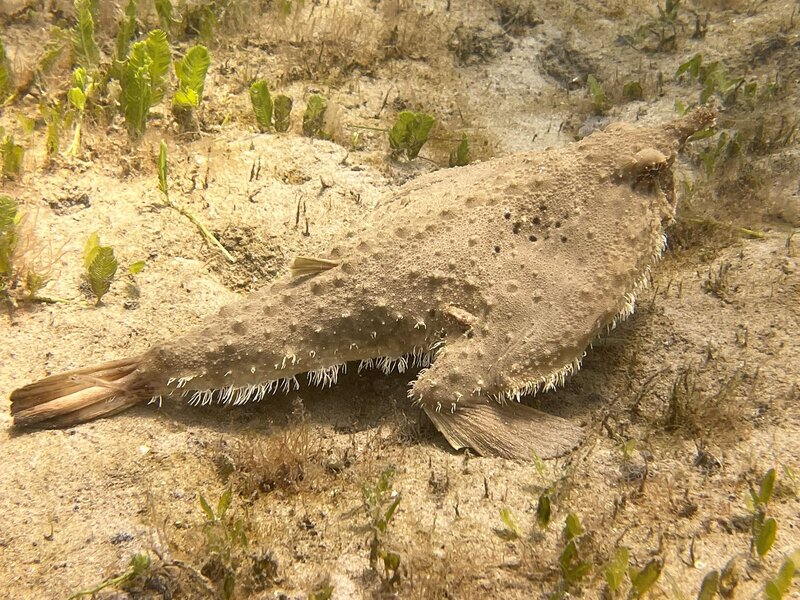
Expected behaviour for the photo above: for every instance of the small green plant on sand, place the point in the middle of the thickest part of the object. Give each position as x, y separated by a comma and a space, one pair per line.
87, 54
282, 109
136, 97
543, 510
191, 72
261, 100
9, 222
791, 481
658, 33
225, 536
710, 154
158, 51
53, 115
632, 90
314, 117
27, 124
164, 9
720, 583
82, 88
729, 89
614, 572
512, 530
270, 112
460, 156
764, 529
596, 94
322, 591
53, 53
573, 567
778, 586
139, 564
763, 533
201, 20
409, 133
163, 186
380, 504
709, 588
643, 580
125, 33
5, 74
144, 79
577, 563
132, 289
136, 267
100, 265
11, 154
24, 269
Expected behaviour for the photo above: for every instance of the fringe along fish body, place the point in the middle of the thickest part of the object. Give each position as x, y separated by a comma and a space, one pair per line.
494, 277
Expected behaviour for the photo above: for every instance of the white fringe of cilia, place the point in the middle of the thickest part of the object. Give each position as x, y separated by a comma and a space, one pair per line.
233, 395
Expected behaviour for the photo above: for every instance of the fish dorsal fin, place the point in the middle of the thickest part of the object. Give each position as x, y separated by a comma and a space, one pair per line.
309, 265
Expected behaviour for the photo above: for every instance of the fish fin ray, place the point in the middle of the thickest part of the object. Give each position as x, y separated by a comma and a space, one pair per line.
510, 430
309, 265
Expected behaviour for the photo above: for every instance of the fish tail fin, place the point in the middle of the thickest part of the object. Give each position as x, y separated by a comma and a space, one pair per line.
79, 395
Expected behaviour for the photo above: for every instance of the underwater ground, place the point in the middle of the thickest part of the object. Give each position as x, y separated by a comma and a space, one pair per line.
690, 473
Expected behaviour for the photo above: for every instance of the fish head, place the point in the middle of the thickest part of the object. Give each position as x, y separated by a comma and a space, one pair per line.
644, 157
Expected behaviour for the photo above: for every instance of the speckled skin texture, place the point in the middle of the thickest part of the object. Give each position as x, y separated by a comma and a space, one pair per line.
512, 267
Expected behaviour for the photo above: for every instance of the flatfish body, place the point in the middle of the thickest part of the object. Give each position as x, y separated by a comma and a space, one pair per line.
494, 277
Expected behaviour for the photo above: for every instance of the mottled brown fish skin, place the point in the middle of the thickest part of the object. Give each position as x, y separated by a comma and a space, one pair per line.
513, 266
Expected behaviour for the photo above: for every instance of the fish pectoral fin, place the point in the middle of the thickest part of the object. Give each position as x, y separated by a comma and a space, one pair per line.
511, 430
308, 265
